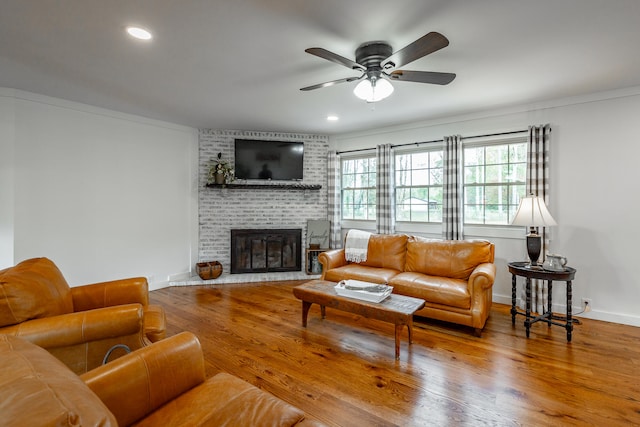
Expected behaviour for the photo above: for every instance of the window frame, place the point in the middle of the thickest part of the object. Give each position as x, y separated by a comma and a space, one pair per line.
490, 142
362, 221
431, 147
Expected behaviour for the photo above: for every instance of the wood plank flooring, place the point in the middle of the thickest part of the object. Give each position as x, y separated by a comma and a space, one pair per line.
342, 372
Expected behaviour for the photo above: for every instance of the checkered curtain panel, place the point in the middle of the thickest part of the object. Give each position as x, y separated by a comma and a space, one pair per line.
452, 214
385, 198
333, 189
538, 184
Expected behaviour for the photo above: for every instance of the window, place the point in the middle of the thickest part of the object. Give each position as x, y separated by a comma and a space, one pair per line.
418, 184
359, 188
494, 181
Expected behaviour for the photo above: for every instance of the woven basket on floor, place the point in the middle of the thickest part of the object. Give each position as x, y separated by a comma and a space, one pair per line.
209, 270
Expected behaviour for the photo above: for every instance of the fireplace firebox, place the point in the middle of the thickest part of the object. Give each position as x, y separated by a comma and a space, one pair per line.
260, 251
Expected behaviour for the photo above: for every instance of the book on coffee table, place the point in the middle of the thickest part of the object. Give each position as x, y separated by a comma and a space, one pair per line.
372, 292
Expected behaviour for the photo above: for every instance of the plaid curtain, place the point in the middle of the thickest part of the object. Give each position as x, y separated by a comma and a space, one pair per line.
452, 215
385, 199
334, 198
538, 184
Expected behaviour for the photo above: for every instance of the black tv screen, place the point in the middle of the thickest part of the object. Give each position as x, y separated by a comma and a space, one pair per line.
277, 160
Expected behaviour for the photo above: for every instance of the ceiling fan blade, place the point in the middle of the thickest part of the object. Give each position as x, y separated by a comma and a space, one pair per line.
422, 77
425, 45
331, 83
333, 57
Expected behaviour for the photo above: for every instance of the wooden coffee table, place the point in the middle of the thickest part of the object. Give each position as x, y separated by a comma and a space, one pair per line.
396, 309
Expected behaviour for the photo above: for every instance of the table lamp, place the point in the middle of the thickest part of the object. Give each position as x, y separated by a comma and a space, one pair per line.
533, 213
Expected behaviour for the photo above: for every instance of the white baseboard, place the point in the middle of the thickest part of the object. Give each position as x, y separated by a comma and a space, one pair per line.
624, 319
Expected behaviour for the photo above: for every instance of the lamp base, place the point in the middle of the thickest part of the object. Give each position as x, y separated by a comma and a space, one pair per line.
534, 246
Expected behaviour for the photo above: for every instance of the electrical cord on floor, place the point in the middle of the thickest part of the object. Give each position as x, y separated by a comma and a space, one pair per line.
586, 309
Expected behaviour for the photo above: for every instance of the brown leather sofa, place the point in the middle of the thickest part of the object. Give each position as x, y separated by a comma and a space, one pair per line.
454, 277
162, 384
78, 325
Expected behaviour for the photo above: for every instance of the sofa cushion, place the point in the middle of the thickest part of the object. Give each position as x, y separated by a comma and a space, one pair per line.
433, 289
386, 251
35, 387
360, 272
225, 400
447, 258
33, 289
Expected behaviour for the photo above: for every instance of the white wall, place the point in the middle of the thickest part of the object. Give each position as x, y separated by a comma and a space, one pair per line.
595, 152
103, 194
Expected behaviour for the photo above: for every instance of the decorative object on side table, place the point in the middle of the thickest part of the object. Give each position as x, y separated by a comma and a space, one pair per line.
220, 172
209, 270
533, 213
555, 262
317, 233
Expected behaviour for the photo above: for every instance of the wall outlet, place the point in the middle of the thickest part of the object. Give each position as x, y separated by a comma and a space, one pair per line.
586, 304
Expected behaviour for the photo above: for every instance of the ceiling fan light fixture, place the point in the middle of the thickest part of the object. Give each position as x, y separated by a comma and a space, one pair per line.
139, 33
373, 90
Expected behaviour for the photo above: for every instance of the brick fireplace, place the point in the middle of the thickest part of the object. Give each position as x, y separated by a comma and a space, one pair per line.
223, 210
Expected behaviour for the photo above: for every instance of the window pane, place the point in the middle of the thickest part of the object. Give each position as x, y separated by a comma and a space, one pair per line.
403, 212
362, 180
420, 161
403, 178
348, 166
497, 154
473, 174
435, 159
473, 214
474, 156
419, 177
347, 197
348, 181
436, 177
361, 166
372, 179
371, 212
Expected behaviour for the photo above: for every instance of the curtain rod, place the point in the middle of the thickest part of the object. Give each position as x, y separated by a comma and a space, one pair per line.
438, 140
355, 151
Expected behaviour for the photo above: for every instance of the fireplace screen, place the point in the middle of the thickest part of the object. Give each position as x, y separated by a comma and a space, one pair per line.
259, 251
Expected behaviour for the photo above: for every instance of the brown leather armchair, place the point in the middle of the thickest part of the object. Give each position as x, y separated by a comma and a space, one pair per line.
162, 384
77, 325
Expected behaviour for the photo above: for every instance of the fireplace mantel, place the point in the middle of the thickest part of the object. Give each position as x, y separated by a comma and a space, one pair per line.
278, 186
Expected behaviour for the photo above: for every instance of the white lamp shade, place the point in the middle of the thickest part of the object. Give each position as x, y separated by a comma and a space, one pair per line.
373, 91
533, 212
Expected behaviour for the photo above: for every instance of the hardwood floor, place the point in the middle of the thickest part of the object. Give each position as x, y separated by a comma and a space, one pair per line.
342, 372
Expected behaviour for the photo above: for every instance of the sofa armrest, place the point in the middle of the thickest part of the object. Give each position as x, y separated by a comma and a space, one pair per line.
76, 328
107, 294
332, 259
140, 382
482, 276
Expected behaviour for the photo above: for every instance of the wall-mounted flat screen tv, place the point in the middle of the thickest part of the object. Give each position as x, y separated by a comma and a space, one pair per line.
268, 160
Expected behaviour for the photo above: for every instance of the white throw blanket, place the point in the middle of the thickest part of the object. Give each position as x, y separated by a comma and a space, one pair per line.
355, 248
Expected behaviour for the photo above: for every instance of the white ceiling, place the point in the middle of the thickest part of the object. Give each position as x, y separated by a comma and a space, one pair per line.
240, 64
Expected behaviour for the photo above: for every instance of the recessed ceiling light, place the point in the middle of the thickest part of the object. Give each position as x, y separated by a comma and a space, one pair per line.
332, 118
139, 33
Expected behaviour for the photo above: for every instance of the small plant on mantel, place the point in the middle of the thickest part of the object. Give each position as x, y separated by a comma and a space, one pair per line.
220, 172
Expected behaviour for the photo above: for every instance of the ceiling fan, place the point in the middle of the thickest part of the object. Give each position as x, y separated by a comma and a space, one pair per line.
376, 60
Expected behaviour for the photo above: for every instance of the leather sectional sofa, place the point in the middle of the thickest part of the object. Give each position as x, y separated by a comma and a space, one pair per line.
454, 277
162, 384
